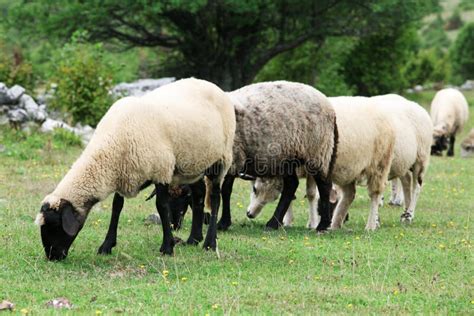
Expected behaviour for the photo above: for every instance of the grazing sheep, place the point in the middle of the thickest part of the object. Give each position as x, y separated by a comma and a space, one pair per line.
282, 126
467, 145
142, 141
449, 112
407, 126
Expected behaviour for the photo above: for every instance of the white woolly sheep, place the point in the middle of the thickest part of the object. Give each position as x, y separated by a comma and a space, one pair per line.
140, 141
282, 126
449, 113
407, 126
467, 145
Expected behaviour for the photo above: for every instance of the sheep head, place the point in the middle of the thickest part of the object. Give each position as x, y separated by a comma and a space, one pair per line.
60, 223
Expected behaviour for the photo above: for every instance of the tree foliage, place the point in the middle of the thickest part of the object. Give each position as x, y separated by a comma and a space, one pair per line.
375, 64
462, 53
224, 41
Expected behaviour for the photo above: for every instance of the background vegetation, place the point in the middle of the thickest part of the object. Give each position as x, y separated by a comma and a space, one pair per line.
340, 47
423, 268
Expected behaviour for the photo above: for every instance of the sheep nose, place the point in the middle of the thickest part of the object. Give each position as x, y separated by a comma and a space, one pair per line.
250, 215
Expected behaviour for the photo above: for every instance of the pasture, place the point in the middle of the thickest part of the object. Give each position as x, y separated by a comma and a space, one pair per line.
426, 267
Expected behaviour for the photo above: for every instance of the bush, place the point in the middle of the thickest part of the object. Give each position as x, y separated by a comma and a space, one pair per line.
427, 65
454, 22
434, 35
375, 64
83, 81
14, 69
462, 54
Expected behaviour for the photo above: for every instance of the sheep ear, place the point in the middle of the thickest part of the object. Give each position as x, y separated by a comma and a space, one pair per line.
71, 224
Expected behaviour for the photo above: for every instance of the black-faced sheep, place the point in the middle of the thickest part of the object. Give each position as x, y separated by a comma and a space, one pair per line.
449, 113
141, 141
280, 127
467, 145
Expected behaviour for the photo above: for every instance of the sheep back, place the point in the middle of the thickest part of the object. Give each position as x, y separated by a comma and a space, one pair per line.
282, 121
449, 112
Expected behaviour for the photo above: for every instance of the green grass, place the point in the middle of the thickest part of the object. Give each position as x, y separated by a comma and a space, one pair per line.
424, 268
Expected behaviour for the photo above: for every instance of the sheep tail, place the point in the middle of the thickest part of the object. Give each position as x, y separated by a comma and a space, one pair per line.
207, 201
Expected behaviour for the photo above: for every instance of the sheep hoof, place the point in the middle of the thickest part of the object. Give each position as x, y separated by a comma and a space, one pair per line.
406, 217
450, 154
371, 228
193, 241
166, 250
395, 203
272, 224
210, 245
105, 249
223, 225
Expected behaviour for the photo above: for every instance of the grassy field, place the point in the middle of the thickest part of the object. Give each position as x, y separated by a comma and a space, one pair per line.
424, 268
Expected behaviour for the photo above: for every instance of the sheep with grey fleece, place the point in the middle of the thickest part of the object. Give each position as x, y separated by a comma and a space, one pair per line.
449, 113
407, 128
142, 141
282, 126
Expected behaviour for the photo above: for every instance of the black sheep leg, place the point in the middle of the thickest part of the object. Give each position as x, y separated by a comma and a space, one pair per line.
290, 184
215, 175
225, 221
198, 193
111, 237
324, 205
162, 205
452, 139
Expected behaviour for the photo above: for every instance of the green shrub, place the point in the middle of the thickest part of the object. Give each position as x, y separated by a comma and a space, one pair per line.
462, 54
83, 81
63, 138
434, 35
454, 22
428, 65
14, 69
375, 64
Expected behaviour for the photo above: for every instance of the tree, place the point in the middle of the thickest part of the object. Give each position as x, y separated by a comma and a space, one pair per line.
462, 53
376, 62
224, 41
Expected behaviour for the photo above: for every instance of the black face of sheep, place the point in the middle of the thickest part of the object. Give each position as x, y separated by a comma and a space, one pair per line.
440, 143
59, 228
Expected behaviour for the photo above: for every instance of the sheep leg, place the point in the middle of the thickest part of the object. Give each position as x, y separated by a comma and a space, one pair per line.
452, 139
288, 219
396, 197
225, 221
311, 195
417, 176
162, 205
290, 184
373, 221
198, 192
407, 193
340, 213
111, 237
324, 204
216, 176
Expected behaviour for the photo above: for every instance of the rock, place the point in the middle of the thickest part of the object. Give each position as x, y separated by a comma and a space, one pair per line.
3, 119
84, 132
17, 115
15, 92
139, 87
3, 93
410, 91
49, 125
4, 108
468, 85
418, 88
6, 305
29, 105
153, 219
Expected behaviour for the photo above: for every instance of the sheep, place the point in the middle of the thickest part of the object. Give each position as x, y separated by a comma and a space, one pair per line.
467, 145
407, 126
142, 141
449, 112
281, 126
